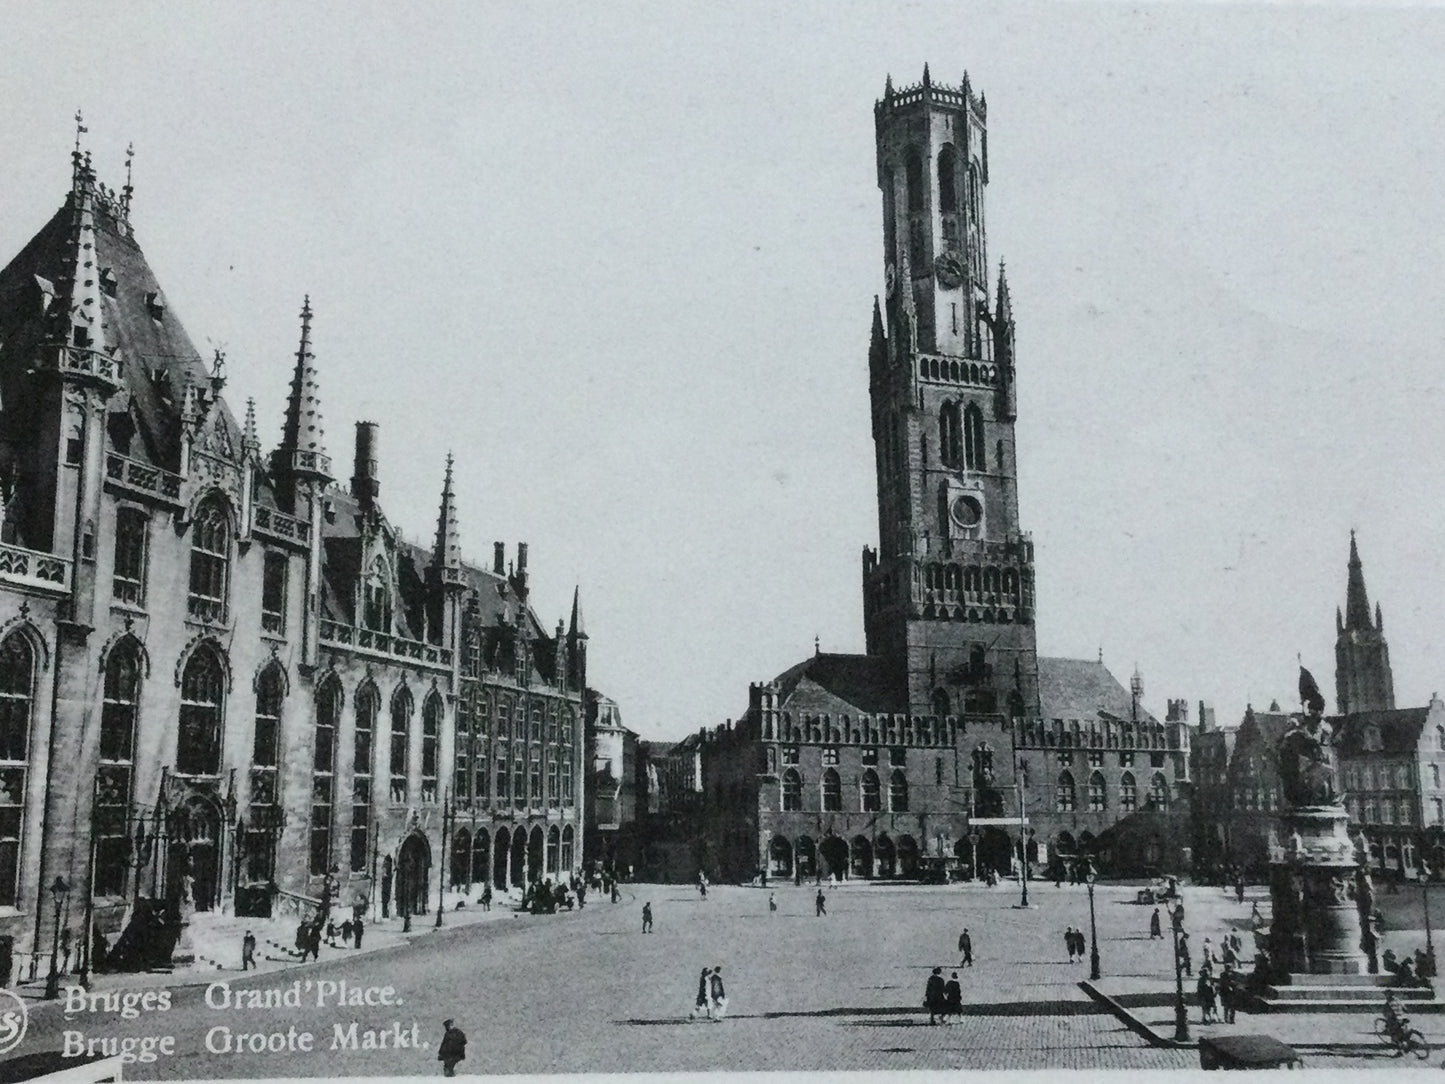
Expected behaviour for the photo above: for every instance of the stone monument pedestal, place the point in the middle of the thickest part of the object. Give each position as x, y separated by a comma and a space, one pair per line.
1316, 924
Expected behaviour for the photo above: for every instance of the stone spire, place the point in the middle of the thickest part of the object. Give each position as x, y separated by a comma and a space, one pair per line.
1003, 309
250, 441
303, 452
576, 628
447, 552
1357, 602
79, 317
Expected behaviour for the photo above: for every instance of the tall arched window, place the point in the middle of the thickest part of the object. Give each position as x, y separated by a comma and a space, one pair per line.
265, 808
872, 793
17, 700
1064, 793
569, 724
431, 733
323, 775
950, 435
1098, 795
210, 561
947, 181
376, 598
1128, 793
1159, 791
504, 752
973, 438
898, 792
366, 709
400, 743
792, 790
913, 167
463, 782
203, 689
116, 773
832, 791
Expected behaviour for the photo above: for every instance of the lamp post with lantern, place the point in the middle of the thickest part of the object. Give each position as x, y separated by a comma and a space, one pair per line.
52, 982
1089, 878
1429, 931
1181, 1014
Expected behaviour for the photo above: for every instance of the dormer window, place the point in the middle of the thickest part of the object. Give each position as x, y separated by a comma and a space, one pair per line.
1372, 741
107, 281
155, 305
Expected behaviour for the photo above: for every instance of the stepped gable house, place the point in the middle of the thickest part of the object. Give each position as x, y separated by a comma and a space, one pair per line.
223, 669
932, 747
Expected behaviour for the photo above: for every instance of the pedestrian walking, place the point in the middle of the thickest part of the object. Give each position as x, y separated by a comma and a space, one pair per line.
647, 917
303, 940
1228, 993
330, 933
616, 895
346, 929
356, 927
1205, 991
952, 999
313, 943
820, 904
1256, 920
1186, 958
1239, 889
248, 951
487, 897
719, 994
581, 895
772, 903
703, 1005
935, 995
965, 946
453, 1048
1080, 945
1069, 942
1156, 928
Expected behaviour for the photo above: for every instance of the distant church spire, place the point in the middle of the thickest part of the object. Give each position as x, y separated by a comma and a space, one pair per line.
1357, 602
576, 628
1363, 678
448, 550
303, 451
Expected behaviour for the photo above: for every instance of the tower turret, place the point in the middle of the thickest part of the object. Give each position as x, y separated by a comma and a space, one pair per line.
577, 645
1363, 679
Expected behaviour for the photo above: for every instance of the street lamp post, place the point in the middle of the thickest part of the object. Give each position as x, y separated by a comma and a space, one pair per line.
973, 842
442, 865
1429, 932
52, 982
1181, 1014
1093, 928
1021, 774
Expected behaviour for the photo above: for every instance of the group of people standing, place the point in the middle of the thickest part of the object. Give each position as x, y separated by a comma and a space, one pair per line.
712, 998
1076, 944
943, 1000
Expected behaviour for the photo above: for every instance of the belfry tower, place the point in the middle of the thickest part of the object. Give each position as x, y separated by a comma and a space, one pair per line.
949, 593
1363, 680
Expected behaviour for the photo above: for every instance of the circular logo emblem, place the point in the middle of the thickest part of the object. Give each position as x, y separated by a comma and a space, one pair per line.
14, 1019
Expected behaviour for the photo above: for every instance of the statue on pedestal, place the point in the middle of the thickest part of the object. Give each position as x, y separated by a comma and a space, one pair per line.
1306, 760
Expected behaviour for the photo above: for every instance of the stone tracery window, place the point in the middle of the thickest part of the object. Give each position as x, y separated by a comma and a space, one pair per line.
872, 795
898, 792
323, 776
365, 710
1128, 793
431, 729
265, 760
400, 760
116, 776
792, 790
17, 702
832, 791
210, 561
203, 690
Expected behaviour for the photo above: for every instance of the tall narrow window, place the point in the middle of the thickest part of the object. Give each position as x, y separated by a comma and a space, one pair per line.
210, 561
1128, 793
898, 792
871, 792
323, 776
950, 435
792, 790
368, 707
1098, 799
947, 181
503, 753
1064, 796
273, 593
534, 775
519, 776
569, 725
1159, 791
128, 580
376, 599
552, 798
462, 754
265, 761
203, 687
914, 169
832, 791
400, 744
17, 695
973, 438
116, 775
431, 731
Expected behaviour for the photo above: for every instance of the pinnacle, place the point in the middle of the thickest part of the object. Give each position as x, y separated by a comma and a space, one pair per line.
303, 438
448, 550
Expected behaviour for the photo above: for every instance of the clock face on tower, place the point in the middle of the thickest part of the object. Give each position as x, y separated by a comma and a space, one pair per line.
949, 270
966, 511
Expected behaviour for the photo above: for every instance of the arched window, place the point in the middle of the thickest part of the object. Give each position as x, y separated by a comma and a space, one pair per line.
974, 194
947, 181
400, 744
203, 687
116, 773
898, 792
17, 698
872, 795
534, 777
210, 561
1128, 793
367, 708
792, 790
569, 724
1098, 798
265, 760
323, 775
376, 598
551, 755
1159, 791
462, 779
913, 167
1064, 793
832, 791
504, 752
431, 731
519, 775
973, 438
950, 435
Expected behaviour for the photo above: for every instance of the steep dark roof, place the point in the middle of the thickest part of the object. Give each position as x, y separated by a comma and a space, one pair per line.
1399, 730
1083, 689
840, 683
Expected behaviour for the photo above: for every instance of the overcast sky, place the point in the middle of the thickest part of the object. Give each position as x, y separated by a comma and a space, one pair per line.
621, 261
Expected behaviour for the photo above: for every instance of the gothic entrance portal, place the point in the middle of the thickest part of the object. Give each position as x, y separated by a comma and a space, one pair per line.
835, 856
413, 867
193, 859
500, 852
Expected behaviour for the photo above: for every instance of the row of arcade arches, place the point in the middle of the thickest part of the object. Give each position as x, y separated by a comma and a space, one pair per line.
877, 858
512, 858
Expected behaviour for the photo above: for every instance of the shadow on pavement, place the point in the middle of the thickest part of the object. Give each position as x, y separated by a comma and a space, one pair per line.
1004, 1008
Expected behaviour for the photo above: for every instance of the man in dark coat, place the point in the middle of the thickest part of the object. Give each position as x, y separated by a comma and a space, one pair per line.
965, 946
935, 995
703, 1005
357, 925
647, 917
953, 998
453, 1048
1156, 928
1069, 942
820, 905
386, 886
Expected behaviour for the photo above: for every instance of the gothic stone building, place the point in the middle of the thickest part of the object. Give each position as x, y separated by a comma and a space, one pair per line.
903, 759
221, 673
